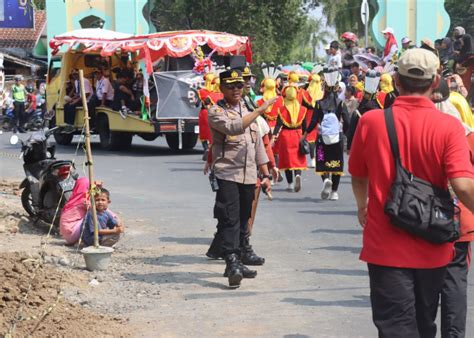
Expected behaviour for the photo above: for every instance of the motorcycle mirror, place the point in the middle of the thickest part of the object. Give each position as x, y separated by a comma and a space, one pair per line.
14, 139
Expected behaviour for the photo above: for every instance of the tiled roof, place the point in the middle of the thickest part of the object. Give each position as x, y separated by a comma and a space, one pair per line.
23, 37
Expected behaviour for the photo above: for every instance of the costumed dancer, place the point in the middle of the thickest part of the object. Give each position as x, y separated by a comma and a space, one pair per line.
372, 99
288, 131
314, 92
206, 101
386, 86
329, 114
269, 91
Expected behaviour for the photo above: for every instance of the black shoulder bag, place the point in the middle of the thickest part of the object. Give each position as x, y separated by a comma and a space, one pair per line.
416, 205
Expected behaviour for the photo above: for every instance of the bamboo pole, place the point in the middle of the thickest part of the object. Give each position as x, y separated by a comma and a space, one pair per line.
89, 157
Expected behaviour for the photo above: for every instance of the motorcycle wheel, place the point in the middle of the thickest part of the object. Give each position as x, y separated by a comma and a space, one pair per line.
27, 202
50, 204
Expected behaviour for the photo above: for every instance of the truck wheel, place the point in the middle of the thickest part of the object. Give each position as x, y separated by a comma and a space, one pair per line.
189, 141
113, 140
62, 138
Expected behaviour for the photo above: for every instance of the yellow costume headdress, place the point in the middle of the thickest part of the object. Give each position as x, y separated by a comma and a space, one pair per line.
290, 100
315, 88
268, 86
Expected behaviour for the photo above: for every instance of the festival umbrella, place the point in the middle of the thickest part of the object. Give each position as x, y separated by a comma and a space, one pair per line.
298, 69
308, 66
364, 59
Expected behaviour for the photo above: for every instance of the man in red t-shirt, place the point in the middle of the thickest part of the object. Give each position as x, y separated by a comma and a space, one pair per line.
406, 272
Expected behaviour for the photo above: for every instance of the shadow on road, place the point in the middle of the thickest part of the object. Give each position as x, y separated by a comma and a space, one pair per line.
175, 260
352, 249
198, 278
136, 150
330, 212
339, 272
187, 240
185, 169
337, 231
361, 301
295, 200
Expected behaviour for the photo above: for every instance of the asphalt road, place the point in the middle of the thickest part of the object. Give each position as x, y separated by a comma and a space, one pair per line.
312, 284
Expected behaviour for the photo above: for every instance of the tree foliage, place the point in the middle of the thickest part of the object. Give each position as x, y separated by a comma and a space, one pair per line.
279, 30
345, 14
461, 13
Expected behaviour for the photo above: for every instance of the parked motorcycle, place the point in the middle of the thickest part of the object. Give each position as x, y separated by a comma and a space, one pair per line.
49, 182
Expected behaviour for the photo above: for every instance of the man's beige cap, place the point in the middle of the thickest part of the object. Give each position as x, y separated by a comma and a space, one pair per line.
418, 63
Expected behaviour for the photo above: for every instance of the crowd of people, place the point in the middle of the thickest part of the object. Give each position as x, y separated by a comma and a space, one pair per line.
385, 112
120, 89
21, 102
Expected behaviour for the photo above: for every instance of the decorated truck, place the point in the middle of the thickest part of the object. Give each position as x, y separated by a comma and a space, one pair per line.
173, 65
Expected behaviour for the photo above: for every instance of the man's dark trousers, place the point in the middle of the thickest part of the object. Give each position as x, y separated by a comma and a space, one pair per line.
454, 293
405, 301
19, 111
232, 211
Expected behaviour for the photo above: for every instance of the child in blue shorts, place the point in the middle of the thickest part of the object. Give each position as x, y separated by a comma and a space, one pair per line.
110, 227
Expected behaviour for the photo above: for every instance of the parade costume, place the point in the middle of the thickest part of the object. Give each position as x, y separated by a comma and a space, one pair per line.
386, 87
372, 99
314, 92
289, 129
328, 113
269, 91
206, 101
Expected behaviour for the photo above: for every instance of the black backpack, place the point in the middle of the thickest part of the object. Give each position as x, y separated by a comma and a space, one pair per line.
418, 206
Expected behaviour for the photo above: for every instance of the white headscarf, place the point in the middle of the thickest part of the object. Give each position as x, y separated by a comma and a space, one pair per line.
342, 88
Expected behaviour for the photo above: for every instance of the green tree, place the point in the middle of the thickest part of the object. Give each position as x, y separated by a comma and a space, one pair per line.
276, 27
461, 13
39, 4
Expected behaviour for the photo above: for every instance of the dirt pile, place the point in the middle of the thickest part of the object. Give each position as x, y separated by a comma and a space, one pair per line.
65, 318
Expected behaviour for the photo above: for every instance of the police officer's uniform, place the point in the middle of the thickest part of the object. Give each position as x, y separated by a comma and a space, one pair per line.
236, 154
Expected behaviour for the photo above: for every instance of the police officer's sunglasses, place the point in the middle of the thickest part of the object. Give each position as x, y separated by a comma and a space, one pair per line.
238, 85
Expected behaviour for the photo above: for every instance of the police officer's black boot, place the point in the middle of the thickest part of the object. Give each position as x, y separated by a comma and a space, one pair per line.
248, 256
246, 272
215, 251
234, 270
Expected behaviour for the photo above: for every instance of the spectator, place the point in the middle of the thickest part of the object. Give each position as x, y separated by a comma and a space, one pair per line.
391, 47
123, 96
463, 47
137, 87
454, 291
371, 51
104, 89
355, 70
76, 100
351, 49
406, 272
406, 45
446, 52
350, 101
334, 57
428, 45
110, 227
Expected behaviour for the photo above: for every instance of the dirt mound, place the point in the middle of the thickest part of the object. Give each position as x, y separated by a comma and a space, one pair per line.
65, 318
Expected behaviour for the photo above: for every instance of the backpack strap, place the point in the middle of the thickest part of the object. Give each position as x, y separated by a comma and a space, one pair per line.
392, 134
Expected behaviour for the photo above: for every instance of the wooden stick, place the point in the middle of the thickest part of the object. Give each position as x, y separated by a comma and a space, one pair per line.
89, 157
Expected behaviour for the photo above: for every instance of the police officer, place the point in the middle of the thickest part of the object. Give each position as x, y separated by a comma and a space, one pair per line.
19, 95
237, 151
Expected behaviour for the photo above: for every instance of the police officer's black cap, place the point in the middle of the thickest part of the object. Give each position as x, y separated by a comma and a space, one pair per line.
231, 76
